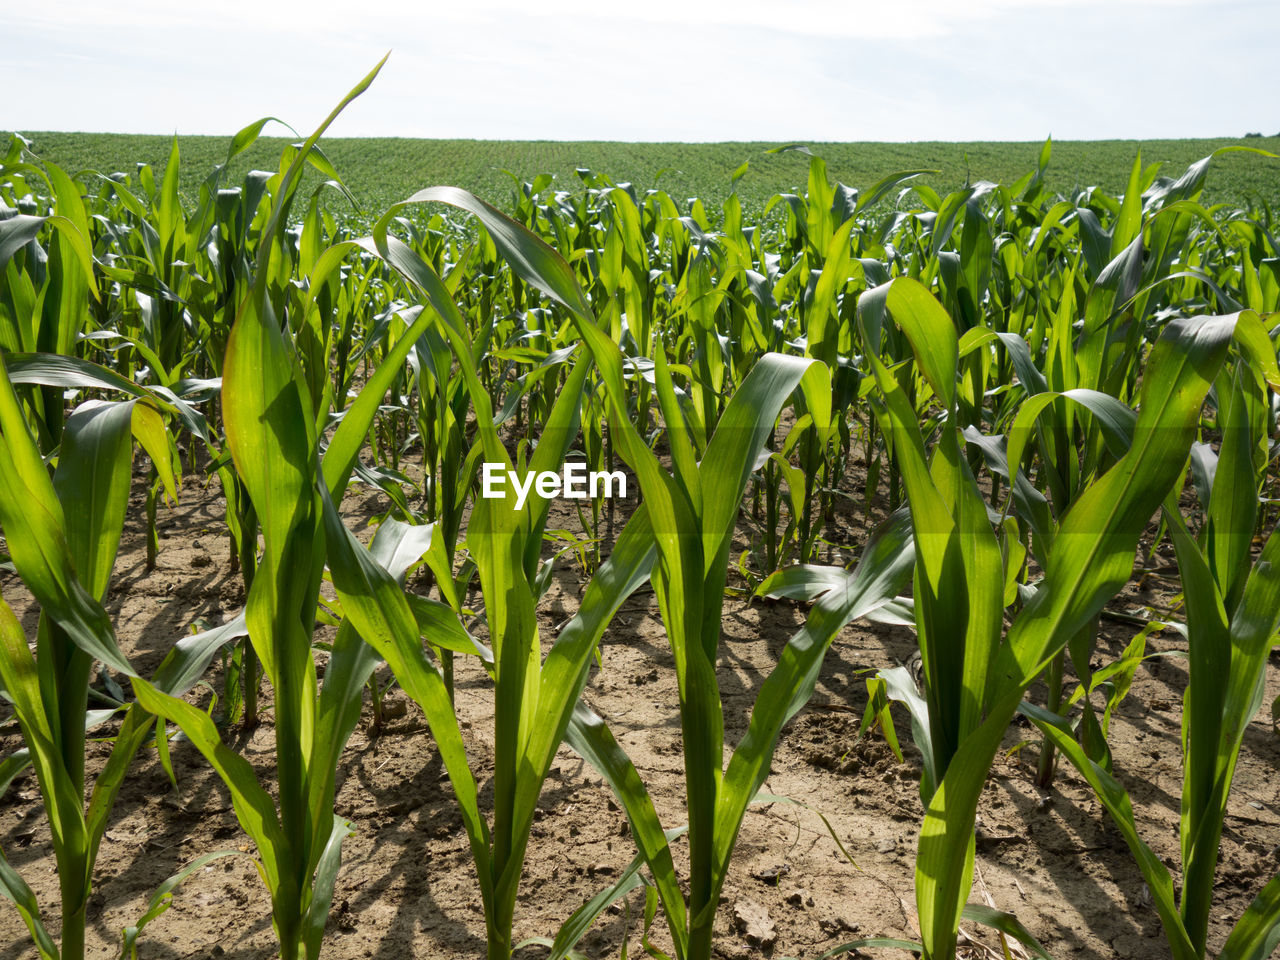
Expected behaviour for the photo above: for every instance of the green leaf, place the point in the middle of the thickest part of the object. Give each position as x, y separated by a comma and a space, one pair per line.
1257, 933
1115, 420
591, 738
54, 370
35, 528
92, 483
580, 921
163, 897
322, 886
253, 806
375, 604
881, 572
1116, 801
1091, 559
1007, 924
14, 889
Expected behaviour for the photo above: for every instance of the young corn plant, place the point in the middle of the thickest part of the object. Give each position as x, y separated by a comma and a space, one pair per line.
63, 532
1077, 432
685, 527
535, 696
272, 433
1233, 614
974, 684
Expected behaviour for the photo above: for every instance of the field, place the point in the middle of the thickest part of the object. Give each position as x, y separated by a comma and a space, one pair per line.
928, 601
383, 171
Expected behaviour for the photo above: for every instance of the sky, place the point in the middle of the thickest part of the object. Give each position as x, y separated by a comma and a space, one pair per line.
654, 70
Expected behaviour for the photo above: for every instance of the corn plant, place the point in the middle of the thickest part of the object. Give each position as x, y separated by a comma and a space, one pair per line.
535, 698
973, 682
272, 433
1055, 411
1233, 614
63, 533
688, 518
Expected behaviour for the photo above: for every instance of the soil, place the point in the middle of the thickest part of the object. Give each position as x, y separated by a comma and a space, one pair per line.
407, 886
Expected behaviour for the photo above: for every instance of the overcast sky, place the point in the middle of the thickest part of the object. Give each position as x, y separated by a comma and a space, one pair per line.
651, 70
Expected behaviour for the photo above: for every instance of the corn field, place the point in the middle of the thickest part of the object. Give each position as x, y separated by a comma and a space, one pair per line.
1032, 437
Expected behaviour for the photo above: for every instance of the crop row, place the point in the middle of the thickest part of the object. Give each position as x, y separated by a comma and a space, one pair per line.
381, 171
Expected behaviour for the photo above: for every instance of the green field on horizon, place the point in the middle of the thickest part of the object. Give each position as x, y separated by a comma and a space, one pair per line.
382, 170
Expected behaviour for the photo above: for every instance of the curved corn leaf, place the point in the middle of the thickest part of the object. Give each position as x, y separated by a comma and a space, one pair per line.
1113, 417
1007, 924
580, 921
253, 805
1116, 801
322, 885
19, 230
35, 530
592, 740
881, 572
14, 889
73, 373
375, 604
